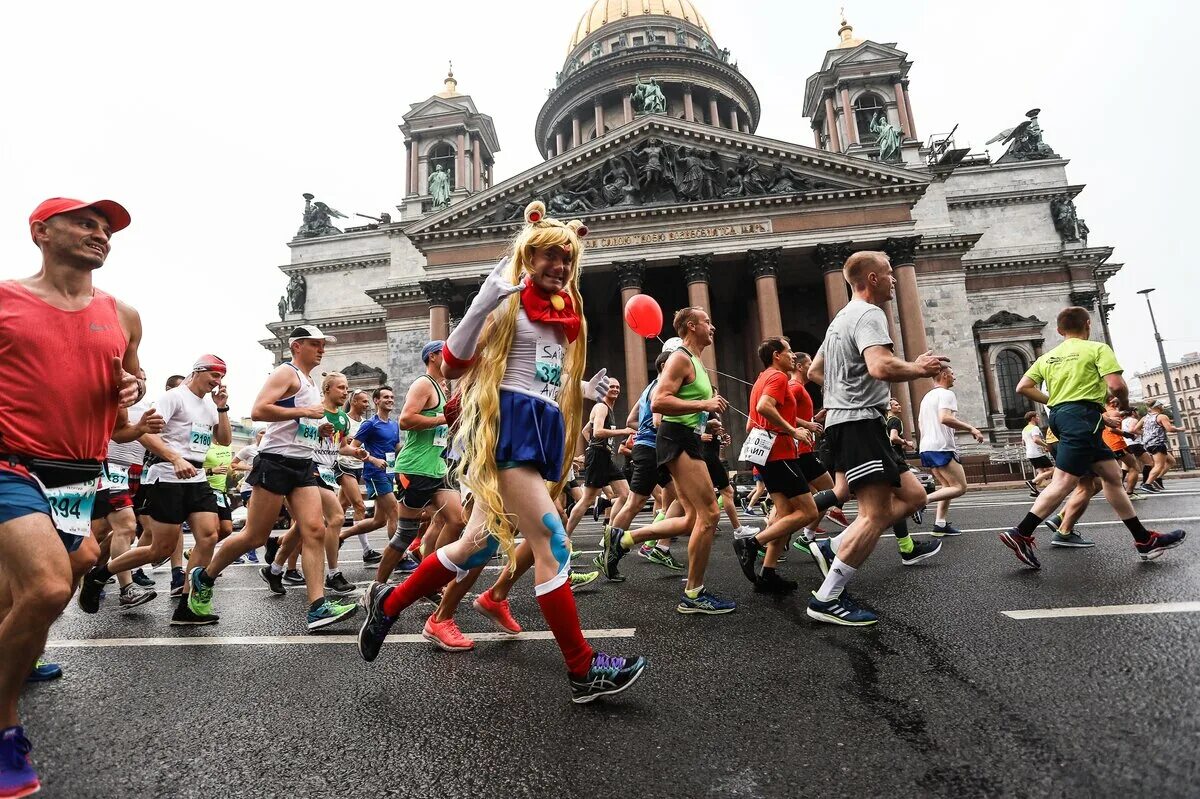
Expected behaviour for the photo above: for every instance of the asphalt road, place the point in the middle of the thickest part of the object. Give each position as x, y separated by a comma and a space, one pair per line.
947, 696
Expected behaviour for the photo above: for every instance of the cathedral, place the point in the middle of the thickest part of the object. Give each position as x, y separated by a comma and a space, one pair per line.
649, 136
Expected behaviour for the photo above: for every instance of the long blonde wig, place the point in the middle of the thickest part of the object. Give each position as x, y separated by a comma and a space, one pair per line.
479, 418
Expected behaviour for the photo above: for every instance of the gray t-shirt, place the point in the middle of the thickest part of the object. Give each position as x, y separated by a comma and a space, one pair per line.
851, 393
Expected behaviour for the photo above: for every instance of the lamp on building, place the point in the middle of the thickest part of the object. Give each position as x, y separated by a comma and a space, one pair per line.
1184, 451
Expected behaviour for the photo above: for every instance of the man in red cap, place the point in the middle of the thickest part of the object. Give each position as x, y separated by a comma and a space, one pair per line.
62, 338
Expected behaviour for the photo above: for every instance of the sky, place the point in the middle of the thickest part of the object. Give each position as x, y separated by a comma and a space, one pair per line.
208, 121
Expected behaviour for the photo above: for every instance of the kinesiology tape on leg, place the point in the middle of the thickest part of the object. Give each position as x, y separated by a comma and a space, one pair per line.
480, 558
560, 547
406, 531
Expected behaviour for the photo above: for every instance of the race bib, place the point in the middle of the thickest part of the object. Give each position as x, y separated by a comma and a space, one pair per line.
547, 368
306, 433
115, 477
201, 439
441, 435
757, 447
328, 476
391, 462
71, 506
222, 500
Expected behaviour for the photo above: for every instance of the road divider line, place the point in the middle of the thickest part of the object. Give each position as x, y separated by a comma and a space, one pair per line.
310, 640
1103, 610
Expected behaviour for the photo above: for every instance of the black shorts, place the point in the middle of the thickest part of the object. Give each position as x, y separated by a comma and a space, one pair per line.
1042, 462
811, 466
417, 490
825, 455
281, 475
598, 468
224, 507
1156, 449
1136, 450
861, 451
339, 470
785, 477
675, 439
173, 503
1080, 440
718, 473
645, 472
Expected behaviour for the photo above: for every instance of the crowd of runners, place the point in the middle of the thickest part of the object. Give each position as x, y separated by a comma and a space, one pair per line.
496, 452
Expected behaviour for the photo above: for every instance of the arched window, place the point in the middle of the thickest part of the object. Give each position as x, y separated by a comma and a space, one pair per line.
1177, 384
442, 154
1187, 382
865, 108
1191, 403
1010, 367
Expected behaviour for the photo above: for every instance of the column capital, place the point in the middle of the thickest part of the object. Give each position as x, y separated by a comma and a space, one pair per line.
902, 250
630, 273
832, 257
1084, 299
437, 292
696, 268
764, 263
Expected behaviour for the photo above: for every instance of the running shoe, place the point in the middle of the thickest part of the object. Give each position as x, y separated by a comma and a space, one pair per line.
330, 611
607, 675
645, 549
918, 516
1136, 497
1159, 485
133, 595
200, 596
663, 557
376, 625
184, 617
176, 581
602, 504
578, 580
840, 610
1153, 488
275, 581
611, 553
239, 561
337, 584
293, 577
772, 583
497, 612
706, 603
1159, 543
1071, 539
446, 635
1022, 546
837, 517
44, 672
745, 532
801, 544
920, 551
1054, 522
17, 777
746, 550
940, 530
822, 553
1033, 489
89, 592
252, 556
139, 577
158, 563
372, 556
407, 566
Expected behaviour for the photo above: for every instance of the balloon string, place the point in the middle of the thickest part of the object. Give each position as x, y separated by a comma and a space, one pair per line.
731, 377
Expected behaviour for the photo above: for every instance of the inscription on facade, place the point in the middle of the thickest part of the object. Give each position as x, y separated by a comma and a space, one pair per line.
688, 234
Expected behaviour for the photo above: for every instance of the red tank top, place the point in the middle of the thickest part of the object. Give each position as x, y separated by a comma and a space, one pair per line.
59, 396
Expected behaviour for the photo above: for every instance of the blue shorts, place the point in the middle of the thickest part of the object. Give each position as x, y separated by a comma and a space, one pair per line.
936, 460
378, 486
22, 496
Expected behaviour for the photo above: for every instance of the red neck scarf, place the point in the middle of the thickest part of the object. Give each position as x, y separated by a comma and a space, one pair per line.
554, 309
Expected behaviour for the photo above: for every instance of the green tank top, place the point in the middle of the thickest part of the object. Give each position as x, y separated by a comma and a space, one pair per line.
422, 452
698, 389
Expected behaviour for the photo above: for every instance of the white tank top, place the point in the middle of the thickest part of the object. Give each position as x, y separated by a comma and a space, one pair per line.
535, 362
295, 438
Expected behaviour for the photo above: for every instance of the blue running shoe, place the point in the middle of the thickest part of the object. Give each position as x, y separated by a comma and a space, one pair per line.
607, 675
940, 530
840, 610
44, 672
1159, 543
707, 603
822, 553
17, 777
252, 556
376, 625
325, 612
407, 566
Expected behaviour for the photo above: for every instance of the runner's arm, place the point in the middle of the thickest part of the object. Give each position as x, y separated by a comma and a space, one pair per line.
768, 408
663, 399
816, 370
883, 364
131, 322
283, 382
415, 401
1027, 388
1166, 423
1117, 386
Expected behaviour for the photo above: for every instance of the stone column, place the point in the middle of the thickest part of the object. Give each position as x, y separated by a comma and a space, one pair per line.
460, 160
598, 110
575, 140
411, 164
714, 113
764, 266
989, 381
689, 111
899, 391
912, 123
733, 118
902, 252
629, 278
438, 293
816, 138
477, 164
848, 116
627, 107
830, 258
902, 109
696, 269
835, 141
423, 175
559, 144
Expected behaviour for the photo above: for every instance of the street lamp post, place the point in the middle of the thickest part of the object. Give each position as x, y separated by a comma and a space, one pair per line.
1184, 451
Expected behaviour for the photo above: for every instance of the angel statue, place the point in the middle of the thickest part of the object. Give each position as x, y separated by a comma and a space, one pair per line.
1026, 138
888, 139
318, 219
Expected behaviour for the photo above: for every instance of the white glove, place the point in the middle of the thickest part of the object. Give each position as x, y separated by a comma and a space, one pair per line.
496, 289
596, 388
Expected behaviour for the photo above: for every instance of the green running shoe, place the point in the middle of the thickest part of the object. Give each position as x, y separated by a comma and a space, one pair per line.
580, 579
663, 557
200, 597
330, 611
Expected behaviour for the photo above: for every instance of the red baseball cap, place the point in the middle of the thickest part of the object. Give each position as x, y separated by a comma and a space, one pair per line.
114, 212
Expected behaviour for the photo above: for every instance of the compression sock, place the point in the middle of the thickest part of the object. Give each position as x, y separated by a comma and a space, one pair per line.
430, 576
658, 517
1146, 474
1137, 529
903, 539
626, 540
839, 574
835, 543
825, 500
558, 608
1028, 525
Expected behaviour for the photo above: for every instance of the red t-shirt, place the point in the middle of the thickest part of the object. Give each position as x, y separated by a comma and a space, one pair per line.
804, 410
774, 384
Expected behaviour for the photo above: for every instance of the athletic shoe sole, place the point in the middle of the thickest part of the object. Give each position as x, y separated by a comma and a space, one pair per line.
440, 644
193, 623
1016, 548
500, 628
141, 600
829, 618
945, 533
703, 611
321, 623
1072, 544
583, 700
823, 564
1155, 553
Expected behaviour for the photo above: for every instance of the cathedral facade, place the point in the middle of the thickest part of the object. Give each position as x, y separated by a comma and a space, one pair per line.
649, 137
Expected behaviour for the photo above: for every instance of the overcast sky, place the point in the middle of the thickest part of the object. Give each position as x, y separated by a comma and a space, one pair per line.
209, 120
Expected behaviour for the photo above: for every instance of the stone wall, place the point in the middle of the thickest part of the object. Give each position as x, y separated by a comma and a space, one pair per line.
948, 321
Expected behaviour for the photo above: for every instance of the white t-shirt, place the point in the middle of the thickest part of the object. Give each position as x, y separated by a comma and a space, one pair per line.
190, 421
536, 361
935, 436
131, 453
1031, 435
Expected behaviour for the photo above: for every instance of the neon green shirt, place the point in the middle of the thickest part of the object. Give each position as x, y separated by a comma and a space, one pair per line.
1074, 371
218, 455
698, 389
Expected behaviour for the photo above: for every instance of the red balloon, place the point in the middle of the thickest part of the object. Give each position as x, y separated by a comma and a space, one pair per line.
643, 315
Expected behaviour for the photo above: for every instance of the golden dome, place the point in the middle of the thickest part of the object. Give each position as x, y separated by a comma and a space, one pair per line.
450, 85
846, 34
604, 12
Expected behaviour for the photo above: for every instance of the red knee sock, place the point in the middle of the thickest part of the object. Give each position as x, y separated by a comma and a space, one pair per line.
429, 577
558, 606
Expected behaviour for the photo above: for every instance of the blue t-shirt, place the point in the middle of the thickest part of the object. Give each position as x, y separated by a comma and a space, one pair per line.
646, 432
379, 438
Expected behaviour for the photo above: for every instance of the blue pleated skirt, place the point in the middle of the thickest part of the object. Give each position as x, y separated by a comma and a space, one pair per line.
532, 433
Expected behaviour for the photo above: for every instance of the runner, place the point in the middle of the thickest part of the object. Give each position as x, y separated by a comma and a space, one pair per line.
854, 366
514, 434
1078, 375
350, 470
1037, 453
195, 413
712, 441
289, 404
1155, 427
1131, 426
818, 477
380, 437
598, 470
48, 471
683, 397
216, 468
939, 450
1116, 439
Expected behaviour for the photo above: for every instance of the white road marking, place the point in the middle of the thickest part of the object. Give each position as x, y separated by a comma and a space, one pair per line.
1104, 610
1172, 520
311, 640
